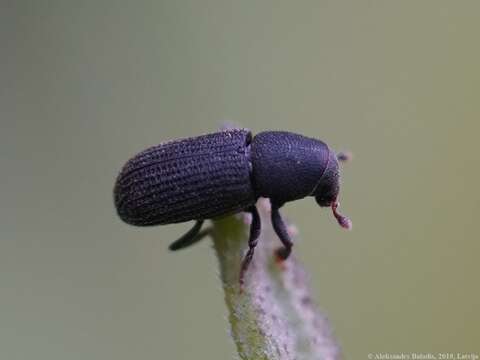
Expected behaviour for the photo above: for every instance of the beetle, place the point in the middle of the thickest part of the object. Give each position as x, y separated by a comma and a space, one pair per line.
222, 173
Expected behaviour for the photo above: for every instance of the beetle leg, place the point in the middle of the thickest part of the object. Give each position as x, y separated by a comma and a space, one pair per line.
255, 227
191, 237
281, 230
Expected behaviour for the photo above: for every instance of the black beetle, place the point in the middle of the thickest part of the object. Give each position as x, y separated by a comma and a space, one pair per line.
217, 174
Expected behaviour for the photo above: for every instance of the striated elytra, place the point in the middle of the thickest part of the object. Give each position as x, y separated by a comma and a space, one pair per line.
218, 174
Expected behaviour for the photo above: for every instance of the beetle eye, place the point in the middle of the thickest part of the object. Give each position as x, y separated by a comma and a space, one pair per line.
323, 201
326, 198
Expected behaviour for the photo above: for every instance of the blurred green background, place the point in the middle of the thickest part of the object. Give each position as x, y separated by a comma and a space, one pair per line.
85, 85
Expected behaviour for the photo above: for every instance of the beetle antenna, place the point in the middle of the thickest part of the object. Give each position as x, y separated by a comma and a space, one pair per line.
343, 221
344, 156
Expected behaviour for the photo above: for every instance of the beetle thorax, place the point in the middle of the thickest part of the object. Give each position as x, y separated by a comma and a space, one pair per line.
287, 166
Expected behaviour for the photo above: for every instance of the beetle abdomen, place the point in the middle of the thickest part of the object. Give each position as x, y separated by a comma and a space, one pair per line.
190, 179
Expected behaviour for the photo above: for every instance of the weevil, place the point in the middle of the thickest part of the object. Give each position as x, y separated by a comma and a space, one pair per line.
226, 172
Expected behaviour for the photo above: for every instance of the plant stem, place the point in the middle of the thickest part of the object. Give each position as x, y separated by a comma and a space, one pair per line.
273, 317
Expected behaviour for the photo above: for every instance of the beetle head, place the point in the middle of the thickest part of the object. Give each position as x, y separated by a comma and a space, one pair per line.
326, 192
328, 187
